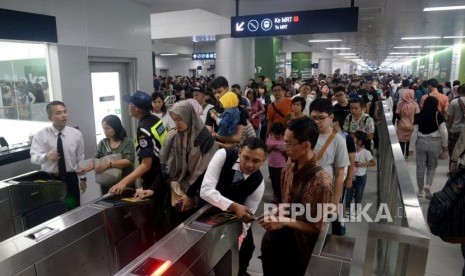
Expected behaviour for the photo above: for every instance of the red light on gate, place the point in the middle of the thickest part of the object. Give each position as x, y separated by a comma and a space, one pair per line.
164, 267
296, 18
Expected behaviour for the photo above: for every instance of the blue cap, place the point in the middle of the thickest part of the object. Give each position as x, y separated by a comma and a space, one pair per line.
140, 99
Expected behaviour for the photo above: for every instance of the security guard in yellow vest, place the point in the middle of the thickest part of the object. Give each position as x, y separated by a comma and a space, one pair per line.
151, 134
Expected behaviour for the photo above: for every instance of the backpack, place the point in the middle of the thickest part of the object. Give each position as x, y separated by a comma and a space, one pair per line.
446, 211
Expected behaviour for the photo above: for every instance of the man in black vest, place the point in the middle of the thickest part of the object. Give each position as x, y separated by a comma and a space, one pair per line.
233, 182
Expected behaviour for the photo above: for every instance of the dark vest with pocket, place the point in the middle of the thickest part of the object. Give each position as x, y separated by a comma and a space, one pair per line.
239, 191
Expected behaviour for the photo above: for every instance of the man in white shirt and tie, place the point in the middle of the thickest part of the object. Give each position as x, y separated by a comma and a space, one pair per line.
59, 150
233, 182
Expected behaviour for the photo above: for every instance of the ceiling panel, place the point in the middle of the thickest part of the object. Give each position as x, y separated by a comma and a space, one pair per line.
382, 23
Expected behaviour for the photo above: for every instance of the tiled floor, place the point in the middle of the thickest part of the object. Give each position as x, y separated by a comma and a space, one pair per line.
444, 259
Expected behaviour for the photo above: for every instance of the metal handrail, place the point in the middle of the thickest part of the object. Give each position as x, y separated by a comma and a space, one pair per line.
413, 234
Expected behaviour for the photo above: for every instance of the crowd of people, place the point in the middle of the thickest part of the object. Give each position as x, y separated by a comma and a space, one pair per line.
319, 136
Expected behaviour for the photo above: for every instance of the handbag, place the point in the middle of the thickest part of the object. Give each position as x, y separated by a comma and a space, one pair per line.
443, 154
446, 211
109, 176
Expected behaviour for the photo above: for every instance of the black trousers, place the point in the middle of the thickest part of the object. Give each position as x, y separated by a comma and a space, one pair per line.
275, 175
246, 252
73, 196
280, 254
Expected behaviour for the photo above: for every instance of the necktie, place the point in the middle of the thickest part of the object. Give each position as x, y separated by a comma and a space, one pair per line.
61, 160
238, 176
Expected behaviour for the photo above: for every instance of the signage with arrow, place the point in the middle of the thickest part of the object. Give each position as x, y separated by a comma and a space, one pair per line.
298, 22
240, 26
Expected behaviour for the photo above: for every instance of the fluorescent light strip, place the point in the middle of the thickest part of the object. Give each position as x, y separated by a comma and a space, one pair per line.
325, 40
407, 47
338, 48
446, 8
454, 36
168, 54
400, 53
438, 46
347, 54
420, 37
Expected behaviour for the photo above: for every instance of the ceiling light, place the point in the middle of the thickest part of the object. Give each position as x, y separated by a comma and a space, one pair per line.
439, 46
399, 53
338, 48
168, 54
407, 47
454, 36
325, 40
420, 37
446, 8
347, 54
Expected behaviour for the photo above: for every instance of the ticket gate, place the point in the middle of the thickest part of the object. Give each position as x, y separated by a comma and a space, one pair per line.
96, 239
28, 200
191, 249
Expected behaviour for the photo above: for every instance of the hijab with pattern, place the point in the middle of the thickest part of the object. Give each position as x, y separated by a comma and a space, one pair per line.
185, 155
407, 105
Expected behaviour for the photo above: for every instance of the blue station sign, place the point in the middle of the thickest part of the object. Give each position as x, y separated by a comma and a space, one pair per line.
294, 23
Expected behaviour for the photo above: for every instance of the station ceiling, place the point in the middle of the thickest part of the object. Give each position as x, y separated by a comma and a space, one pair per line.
382, 23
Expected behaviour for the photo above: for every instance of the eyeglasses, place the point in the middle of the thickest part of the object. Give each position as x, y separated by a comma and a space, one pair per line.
319, 118
287, 145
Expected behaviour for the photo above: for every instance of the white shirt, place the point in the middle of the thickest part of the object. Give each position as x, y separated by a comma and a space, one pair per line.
363, 156
209, 193
167, 120
46, 140
206, 109
308, 102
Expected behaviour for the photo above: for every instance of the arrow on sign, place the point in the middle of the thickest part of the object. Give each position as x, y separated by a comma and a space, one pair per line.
239, 26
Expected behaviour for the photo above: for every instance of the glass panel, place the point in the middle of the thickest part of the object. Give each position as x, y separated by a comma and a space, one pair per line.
106, 98
23, 81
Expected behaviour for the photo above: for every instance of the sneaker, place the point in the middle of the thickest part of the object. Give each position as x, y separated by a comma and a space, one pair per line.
428, 194
421, 193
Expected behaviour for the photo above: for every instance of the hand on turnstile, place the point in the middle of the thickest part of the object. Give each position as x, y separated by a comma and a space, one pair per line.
141, 194
242, 212
117, 188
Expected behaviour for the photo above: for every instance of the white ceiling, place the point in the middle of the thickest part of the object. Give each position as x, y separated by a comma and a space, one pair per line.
382, 23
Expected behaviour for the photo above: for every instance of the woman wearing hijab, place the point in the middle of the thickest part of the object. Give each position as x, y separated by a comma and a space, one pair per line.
430, 140
406, 109
184, 158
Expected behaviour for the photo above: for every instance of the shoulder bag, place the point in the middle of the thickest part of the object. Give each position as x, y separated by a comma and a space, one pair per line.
111, 175
446, 211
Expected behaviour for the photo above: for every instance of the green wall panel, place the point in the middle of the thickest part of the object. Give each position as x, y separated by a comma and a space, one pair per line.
462, 65
267, 55
442, 63
301, 64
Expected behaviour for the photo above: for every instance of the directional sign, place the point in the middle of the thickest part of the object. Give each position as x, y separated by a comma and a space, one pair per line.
298, 22
203, 56
240, 26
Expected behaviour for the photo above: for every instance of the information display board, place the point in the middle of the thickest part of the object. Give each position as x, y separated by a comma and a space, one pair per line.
298, 22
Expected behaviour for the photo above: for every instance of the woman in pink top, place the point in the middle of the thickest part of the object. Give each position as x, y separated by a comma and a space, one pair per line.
256, 110
407, 108
276, 158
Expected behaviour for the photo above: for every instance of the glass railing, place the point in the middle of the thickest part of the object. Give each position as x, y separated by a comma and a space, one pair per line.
399, 246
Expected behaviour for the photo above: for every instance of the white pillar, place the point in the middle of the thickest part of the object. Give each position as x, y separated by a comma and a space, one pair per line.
325, 66
456, 56
235, 59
